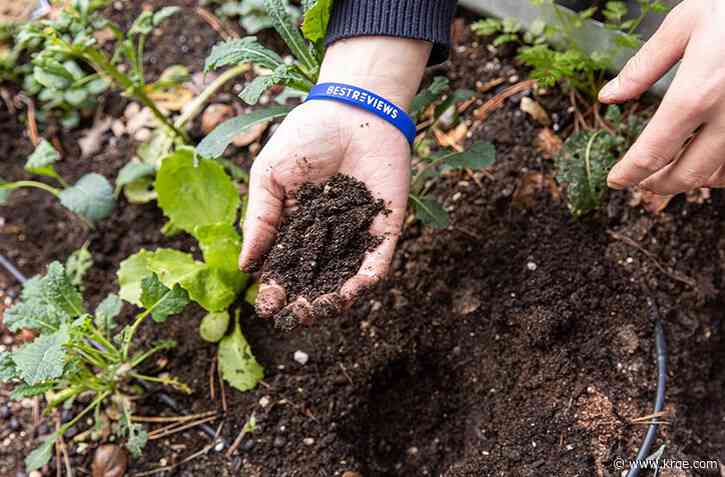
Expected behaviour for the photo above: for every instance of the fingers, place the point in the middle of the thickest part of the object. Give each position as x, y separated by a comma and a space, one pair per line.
654, 59
678, 115
271, 297
264, 212
717, 180
700, 161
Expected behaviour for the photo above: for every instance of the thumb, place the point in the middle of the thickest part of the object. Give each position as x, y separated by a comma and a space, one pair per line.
654, 59
264, 211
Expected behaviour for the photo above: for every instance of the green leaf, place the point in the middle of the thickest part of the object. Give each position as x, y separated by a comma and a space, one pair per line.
78, 264
58, 290
141, 191
214, 325
4, 193
34, 315
130, 274
212, 289
133, 171
220, 244
291, 35
615, 11
255, 88
50, 80
236, 361
142, 25
160, 300
25, 390
42, 159
44, 358
430, 212
488, 26
478, 156
241, 50
41, 455
429, 95
8, 370
250, 295
164, 13
137, 439
106, 311
172, 266
316, 18
214, 144
583, 164
91, 197
194, 192
628, 40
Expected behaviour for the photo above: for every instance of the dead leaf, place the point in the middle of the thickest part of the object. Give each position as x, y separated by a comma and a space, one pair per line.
489, 106
103, 36
548, 143
250, 135
488, 85
535, 110
649, 201
531, 184
92, 140
453, 138
172, 100
215, 114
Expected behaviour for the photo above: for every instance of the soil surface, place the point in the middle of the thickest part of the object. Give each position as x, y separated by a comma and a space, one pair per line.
517, 342
323, 242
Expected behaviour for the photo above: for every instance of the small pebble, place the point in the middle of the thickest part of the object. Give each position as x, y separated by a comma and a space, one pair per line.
248, 445
5, 412
301, 357
35, 473
279, 442
308, 441
219, 447
264, 401
14, 424
531, 266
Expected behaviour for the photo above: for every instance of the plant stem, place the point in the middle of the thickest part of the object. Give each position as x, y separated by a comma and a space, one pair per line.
421, 175
62, 396
132, 331
85, 411
35, 184
199, 102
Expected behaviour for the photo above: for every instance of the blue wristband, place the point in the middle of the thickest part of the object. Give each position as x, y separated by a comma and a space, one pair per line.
368, 101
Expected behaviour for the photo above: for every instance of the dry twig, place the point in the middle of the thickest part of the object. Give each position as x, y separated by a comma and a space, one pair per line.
224, 30
489, 106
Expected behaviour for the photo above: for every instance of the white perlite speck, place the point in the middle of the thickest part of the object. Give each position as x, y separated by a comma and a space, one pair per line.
301, 357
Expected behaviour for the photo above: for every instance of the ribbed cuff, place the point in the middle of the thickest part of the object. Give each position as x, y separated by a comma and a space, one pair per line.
428, 20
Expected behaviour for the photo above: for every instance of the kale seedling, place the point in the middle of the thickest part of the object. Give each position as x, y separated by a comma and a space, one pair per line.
587, 157
252, 15
77, 353
91, 197
199, 198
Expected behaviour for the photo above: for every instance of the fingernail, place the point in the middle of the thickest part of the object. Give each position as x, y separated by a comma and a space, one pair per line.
609, 91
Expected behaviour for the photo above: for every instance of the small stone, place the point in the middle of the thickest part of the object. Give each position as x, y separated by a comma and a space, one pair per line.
14, 424
219, 446
215, 114
35, 473
301, 357
279, 442
264, 401
308, 441
5, 412
531, 266
248, 445
413, 451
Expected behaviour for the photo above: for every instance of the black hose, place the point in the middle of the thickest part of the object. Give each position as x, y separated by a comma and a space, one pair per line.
661, 347
12, 270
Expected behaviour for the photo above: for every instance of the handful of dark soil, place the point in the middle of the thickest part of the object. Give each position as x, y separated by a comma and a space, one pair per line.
322, 244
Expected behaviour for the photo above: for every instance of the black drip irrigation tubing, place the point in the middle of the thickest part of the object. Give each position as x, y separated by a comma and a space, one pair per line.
163, 398
661, 348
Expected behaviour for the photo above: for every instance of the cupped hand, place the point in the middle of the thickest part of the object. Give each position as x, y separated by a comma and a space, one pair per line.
316, 141
694, 103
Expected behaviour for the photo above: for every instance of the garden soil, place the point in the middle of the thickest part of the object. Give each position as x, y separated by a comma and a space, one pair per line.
517, 342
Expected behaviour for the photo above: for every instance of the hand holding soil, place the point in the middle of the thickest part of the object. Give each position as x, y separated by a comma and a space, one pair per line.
324, 254
337, 243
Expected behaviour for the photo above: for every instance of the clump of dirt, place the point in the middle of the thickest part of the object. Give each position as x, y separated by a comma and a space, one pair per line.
324, 241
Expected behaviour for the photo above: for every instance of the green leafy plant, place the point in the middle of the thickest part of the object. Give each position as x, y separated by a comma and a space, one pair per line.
91, 197
587, 157
307, 47
199, 198
77, 352
569, 63
441, 106
510, 30
252, 15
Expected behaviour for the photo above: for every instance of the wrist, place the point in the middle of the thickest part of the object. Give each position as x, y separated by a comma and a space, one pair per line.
389, 67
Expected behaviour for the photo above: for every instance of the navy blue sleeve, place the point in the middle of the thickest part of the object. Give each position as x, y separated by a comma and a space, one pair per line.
428, 20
